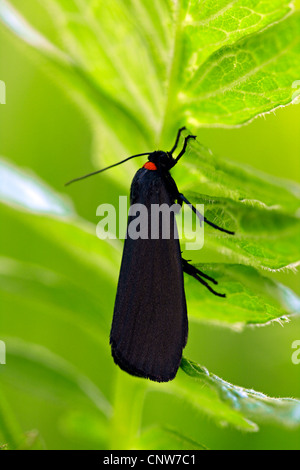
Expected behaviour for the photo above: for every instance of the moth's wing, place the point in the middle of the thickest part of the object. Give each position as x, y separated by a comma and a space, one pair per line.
150, 327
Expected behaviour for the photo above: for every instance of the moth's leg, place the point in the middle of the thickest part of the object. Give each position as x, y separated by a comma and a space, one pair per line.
177, 139
197, 274
204, 283
184, 147
182, 198
202, 218
193, 271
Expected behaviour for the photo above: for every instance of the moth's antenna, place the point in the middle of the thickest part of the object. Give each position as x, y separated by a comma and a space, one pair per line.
107, 168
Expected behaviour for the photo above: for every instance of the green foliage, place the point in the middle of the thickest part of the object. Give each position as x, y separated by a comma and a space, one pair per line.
220, 65
198, 64
247, 403
161, 438
251, 298
250, 77
262, 212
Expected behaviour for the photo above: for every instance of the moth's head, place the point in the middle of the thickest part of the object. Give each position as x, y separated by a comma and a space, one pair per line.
163, 160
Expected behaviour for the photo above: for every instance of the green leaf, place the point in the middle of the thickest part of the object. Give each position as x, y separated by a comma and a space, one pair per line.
68, 249
27, 191
88, 429
18, 24
251, 298
214, 24
60, 241
63, 274
205, 401
43, 373
164, 438
85, 428
267, 239
43, 294
171, 63
221, 177
54, 286
91, 66
248, 78
262, 211
54, 289
256, 406
10, 428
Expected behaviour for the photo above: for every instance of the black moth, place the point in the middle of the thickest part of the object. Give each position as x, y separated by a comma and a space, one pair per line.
150, 325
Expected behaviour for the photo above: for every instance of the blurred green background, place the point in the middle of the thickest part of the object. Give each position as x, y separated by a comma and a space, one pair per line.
43, 130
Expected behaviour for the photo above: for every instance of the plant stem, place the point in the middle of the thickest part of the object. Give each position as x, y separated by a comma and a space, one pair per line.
128, 408
9, 426
169, 119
